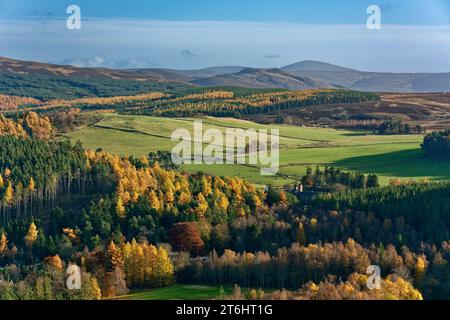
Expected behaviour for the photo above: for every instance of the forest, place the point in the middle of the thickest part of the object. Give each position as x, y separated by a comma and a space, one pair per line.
141, 222
49, 87
182, 102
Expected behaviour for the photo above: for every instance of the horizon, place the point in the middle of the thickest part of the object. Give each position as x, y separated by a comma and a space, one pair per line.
220, 66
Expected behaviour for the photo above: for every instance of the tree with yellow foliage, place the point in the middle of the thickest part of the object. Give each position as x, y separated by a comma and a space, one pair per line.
223, 202
154, 200
31, 185
38, 127
31, 236
120, 208
202, 205
169, 197
115, 256
206, 185
71, 234
93, 289
3, 245
164, 268
8, 196
146, 265
420, 269
184, 198
256, 200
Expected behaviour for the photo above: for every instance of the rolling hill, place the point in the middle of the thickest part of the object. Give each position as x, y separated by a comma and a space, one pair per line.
297, 76
371, 81
262, 78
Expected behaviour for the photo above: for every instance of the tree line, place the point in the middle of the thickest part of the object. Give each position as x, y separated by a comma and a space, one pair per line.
437, 144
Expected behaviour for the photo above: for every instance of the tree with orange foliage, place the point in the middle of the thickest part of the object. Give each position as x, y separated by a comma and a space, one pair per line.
54, 262
185, 236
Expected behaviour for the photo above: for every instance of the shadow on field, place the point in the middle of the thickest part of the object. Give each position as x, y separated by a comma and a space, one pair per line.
356, 134
402, 164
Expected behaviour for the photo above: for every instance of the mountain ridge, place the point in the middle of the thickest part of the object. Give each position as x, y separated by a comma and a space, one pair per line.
297, 76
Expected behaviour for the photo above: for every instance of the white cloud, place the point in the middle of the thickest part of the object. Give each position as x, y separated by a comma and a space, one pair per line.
126, 63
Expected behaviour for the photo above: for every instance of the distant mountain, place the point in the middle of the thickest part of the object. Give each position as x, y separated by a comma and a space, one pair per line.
310, 65
297, 76
185, 75
209, 72
371, 81
47, 69
261, 78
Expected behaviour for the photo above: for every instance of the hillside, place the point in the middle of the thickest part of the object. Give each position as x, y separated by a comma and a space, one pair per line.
371, 81
429, 110
45, 81
262, 78
50, 81
47, 69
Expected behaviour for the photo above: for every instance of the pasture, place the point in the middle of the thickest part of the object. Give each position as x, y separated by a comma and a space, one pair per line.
179, 292
398, 156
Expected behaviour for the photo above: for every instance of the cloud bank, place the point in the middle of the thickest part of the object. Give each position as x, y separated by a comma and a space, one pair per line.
178, 44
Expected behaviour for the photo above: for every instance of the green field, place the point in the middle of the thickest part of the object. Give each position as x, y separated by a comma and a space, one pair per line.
388, 156
179, 292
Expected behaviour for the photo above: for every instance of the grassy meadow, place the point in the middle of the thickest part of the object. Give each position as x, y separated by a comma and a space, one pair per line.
387, 156
179, 292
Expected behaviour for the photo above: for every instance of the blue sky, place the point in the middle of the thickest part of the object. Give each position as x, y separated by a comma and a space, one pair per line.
198, 33
298, 11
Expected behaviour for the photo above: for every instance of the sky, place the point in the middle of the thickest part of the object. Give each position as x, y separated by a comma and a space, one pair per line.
414, 35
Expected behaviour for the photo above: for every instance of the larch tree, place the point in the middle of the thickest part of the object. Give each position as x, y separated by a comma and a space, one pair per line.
54, 262
8, 196
3, 245
154, 201
120, 208
202, 206
115, 256
31, 236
